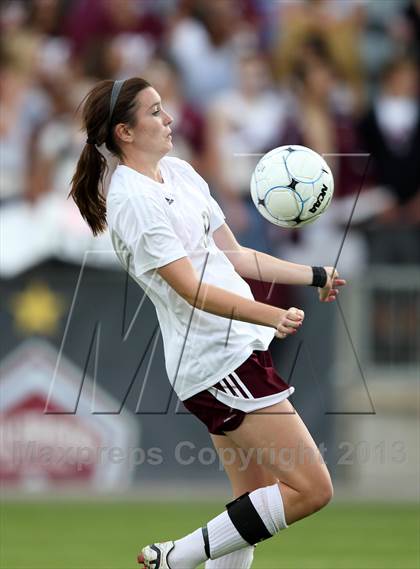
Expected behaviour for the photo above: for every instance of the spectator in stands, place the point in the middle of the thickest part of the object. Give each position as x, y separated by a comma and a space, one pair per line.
406, 29
59, 140
391, 133
46, 17
205, 42
325, 114
88, 22
243, 124
338, 23
327, 126
55, 153
23, 109
117, 57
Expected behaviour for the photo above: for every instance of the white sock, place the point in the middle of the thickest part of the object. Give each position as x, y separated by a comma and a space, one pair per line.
240, 559
269, 504
188, 551
223, 536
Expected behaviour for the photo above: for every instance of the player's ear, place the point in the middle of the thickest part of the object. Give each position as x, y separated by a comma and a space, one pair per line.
124, 132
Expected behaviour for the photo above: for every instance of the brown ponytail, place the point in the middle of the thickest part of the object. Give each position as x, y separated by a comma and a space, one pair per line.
87, 186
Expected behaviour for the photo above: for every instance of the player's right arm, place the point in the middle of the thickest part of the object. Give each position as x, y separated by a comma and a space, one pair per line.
183, 278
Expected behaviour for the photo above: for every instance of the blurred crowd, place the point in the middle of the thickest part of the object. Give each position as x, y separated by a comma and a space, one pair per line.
240, 77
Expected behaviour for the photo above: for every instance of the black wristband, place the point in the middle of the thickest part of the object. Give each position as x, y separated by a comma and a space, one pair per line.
319, 277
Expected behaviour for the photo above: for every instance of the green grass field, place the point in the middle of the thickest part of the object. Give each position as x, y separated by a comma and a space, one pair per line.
76, 535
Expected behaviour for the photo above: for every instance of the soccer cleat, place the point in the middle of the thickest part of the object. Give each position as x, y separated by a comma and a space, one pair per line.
155, 556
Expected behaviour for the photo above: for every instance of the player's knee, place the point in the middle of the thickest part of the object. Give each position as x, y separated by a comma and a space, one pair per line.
326, 492
321, 494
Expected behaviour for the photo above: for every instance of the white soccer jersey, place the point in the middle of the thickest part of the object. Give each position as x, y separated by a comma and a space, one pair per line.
153, 224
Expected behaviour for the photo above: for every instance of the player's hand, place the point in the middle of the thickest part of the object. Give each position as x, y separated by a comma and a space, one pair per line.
290, 322
330, 291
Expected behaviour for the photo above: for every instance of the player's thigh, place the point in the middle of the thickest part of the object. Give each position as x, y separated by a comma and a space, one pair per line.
281, 442
241, 467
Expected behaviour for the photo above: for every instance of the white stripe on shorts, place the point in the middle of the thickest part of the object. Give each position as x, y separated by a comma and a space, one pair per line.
237, 387
226, 388
229, 381
242, 385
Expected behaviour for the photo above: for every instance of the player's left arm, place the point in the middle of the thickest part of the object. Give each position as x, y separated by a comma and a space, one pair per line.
260, 266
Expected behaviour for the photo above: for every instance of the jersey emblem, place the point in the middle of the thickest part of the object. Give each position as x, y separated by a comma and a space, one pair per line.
206, 226
169, 200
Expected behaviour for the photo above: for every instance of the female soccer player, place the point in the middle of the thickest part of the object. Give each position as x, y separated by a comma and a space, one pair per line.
171, 236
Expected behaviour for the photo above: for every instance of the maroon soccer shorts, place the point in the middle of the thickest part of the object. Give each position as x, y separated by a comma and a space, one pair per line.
255, 384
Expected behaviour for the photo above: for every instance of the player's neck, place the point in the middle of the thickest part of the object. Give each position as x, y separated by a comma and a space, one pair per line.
149, 168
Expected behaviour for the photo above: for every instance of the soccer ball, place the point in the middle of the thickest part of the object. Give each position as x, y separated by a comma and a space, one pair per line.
292, 186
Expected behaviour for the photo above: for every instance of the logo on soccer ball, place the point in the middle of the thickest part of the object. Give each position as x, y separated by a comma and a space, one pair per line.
320, 199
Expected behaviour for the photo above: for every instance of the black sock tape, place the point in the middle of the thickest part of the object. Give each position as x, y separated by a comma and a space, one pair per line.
206, 541
247, 520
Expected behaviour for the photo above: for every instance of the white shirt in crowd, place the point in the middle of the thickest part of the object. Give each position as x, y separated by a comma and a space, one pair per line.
153, 224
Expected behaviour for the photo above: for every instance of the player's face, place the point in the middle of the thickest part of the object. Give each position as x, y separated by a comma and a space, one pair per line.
152, 133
